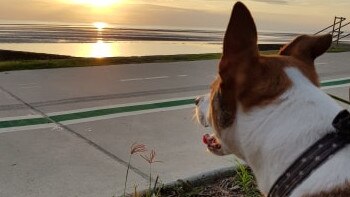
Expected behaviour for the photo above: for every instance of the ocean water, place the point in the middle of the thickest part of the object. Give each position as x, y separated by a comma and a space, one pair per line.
89, 41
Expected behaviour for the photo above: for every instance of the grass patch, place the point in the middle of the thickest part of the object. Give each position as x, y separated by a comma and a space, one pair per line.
246, 181
240, 183
83, 62
339, 48
8, 55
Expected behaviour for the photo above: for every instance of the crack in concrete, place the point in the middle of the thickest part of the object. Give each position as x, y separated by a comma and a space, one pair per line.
88, 141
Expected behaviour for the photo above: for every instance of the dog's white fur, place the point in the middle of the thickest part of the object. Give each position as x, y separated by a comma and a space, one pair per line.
270, 138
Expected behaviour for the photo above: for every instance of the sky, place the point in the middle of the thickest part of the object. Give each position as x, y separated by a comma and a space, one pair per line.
274, 15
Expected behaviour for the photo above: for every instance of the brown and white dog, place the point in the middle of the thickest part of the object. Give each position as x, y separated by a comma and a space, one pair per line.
267, 110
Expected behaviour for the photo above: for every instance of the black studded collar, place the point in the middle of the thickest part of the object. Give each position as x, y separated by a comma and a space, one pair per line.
313, 157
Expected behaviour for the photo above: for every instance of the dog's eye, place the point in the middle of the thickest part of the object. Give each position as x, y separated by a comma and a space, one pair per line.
222, 114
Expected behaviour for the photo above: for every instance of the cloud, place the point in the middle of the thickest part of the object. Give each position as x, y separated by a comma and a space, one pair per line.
124, 14
34, 10
147, 14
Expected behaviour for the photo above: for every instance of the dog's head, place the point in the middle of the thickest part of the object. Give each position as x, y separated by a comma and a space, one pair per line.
248, 80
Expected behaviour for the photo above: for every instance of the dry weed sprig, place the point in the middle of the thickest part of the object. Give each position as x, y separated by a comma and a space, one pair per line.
135, 148
150, 159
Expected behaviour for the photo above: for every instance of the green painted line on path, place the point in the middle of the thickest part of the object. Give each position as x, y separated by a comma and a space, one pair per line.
94, 113
23, 122
335, 83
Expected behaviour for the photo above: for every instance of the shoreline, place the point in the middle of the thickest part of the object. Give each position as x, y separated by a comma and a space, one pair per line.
13, 55
20, 60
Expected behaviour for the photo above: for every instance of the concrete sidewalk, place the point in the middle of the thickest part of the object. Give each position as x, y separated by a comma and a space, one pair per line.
67, 132
88, 156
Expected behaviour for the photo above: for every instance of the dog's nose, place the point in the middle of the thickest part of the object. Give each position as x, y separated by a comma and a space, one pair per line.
197, 100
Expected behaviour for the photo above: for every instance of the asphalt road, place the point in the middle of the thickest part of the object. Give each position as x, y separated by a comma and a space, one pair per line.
67, 132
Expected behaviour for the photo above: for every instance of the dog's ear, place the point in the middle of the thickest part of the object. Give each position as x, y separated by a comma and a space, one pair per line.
307, 48
240, 53
240, 42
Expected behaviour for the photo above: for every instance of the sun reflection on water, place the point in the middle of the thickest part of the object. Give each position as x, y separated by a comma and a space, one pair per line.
101, 49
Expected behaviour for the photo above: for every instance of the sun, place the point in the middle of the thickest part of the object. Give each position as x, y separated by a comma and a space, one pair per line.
103, 3
98, 3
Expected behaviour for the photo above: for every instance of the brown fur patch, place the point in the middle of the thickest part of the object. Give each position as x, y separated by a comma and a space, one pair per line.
265, 81
258, 85
341, 191
308, 70
221, 112
307, 48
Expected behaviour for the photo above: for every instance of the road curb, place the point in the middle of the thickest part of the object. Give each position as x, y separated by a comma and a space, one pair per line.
199, 179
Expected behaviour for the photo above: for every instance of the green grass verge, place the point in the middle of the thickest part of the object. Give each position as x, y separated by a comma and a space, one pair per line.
8, 55
82, 62
339, 48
